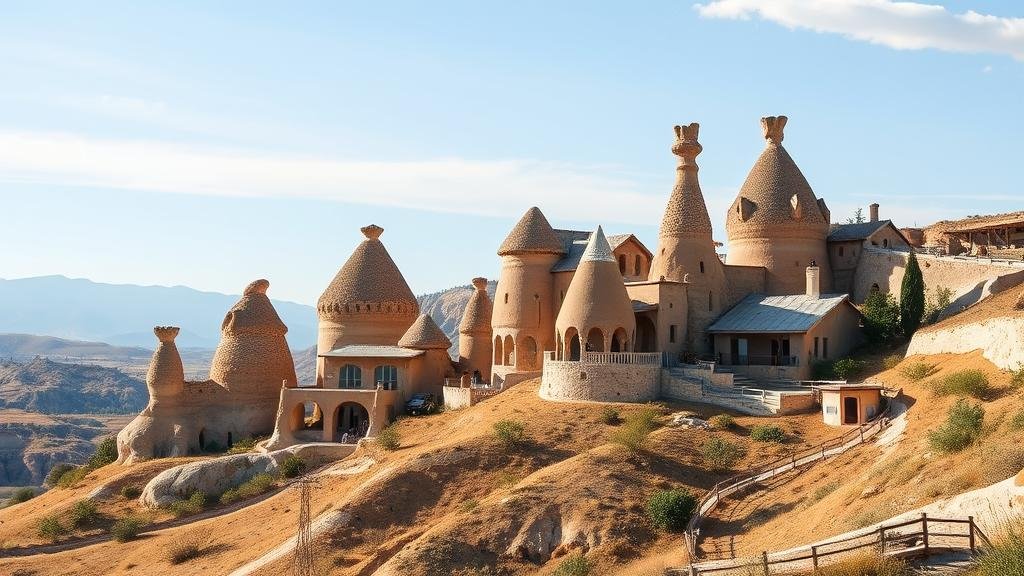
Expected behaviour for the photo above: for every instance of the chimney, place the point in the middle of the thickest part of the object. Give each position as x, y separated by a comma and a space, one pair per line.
873, 211
813, 280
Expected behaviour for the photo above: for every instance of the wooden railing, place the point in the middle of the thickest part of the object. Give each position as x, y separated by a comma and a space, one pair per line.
772, 469
919, 537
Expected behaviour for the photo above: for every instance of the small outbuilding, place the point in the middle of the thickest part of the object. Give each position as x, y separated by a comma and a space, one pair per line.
850, 404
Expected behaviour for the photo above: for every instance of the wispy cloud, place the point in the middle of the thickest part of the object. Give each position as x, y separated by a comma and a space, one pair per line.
899, 25
494, 188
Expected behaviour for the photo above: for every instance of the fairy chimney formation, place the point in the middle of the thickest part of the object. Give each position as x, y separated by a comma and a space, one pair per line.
475, 346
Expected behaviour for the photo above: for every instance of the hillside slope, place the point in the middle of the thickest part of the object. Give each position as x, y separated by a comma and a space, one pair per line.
28, 346
49, 387
994, 325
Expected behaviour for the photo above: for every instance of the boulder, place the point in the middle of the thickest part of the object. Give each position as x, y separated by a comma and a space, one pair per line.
213, 476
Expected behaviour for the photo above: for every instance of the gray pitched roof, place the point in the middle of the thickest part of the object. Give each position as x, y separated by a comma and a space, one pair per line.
793, 313
858, 231
365, 351
575, 242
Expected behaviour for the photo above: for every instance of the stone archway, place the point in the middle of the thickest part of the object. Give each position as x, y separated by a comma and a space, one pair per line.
595, 340
620, 341
527, 353
646, 339
572, 345
353, 421
306, 422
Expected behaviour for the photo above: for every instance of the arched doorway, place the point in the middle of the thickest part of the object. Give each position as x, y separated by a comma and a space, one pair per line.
527, 353
620, 341
353, 422
498, 356
307, 421
572, 343
510, 351
595, 340
646, 335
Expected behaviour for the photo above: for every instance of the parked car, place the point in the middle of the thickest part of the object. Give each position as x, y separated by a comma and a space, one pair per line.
421, 403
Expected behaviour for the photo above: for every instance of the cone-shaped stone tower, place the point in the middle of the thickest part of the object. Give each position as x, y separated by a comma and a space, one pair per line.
425, 334
166, 376
368, 302
475, 345
597, 314
686, 248
776, 221
522, 317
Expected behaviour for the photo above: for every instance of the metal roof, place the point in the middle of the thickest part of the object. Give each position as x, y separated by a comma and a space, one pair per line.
858, 231
793, 313
363, 351
575, 242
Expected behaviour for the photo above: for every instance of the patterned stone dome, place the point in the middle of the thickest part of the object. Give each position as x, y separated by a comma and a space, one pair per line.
425, 334
776, 198
476, 318
368, 283
532, 234
253, 313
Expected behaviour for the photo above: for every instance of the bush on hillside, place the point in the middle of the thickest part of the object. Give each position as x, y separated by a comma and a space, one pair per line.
881, 318
105, 453
823, 370
56, 472
187, 547
962, 427
127, 528
848, 368
82, 513
131, 491
722, 422
632, 435
916, 371
247, 444
389, 438
194, 504
963, 383
23, 494
575, 564
258, 484
51, 528
891, 361
936, 303
720, 454
610, 416
1017, 378
510, 433
767, 433
72, 477
1017, 422
1006, 556
671, 509
292, 466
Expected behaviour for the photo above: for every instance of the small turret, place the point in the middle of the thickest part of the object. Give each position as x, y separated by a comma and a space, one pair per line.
166, 376
475, 346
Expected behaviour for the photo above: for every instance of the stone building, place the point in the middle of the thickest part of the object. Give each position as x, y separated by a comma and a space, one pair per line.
250, 366
847, 242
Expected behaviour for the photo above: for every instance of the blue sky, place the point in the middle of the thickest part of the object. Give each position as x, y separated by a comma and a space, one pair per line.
210, 145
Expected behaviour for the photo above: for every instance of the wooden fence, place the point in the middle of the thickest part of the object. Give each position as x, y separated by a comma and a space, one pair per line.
918, 537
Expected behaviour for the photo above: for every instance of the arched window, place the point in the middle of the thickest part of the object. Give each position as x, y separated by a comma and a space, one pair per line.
572, 343
637, 265
510, 351
497, 351
595, 340
387, 376
622, 264
351, 376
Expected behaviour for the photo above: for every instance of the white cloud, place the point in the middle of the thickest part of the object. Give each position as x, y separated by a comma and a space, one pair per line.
899, 25
494, 188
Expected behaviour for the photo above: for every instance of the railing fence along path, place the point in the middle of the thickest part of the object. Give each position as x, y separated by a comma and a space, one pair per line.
918, 537
794, 461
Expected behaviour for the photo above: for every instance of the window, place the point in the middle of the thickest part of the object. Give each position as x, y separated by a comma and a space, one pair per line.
831, 410
351, 376
506, 297
824, 348
815, 346
637, 265
841, 250
711, 305
386, 376
885, 242
622, 264
701, 266
672, 333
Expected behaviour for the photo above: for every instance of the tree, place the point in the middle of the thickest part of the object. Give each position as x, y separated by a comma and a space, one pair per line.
881, 317
911, 297
857, 218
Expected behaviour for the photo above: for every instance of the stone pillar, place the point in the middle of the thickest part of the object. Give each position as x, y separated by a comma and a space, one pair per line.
813, 281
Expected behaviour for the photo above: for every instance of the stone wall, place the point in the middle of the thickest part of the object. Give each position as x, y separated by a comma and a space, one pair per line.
579, 381
456, 398
971, 279
1001, 339
796, 403
741, 281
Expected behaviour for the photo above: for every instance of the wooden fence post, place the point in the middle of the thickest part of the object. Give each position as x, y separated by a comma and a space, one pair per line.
814, 556
881, 538
924, 530
764, 560
970, 523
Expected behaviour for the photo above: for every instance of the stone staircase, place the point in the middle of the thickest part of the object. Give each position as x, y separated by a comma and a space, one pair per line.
680, 383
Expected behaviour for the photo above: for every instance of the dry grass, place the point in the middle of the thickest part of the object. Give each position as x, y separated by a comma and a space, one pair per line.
866, 565
189, 546
916, 371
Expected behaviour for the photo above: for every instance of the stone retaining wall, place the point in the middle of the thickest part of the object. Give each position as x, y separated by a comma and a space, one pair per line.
1001, 339
579, 381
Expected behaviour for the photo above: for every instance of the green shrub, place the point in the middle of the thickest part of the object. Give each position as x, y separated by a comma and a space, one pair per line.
82, 513
389, 438
131, 491
767, 433
1017, 378
847, 368
247, 444
912, 300
292, 466
194, 504
610, 416
892, 361
720, 454
936, 304
510, 433
56, 472
917, 371
963, 383
72, 477
251, 488
881, 318
51, 528
469, 505
824, 490
961, 428
632, 435
823, 370
1006, 556
127, 528
105, 453
575, 564
1017, 422
671, 509
23, 494
722, 422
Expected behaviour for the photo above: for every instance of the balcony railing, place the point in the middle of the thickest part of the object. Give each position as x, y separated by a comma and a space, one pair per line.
757, 360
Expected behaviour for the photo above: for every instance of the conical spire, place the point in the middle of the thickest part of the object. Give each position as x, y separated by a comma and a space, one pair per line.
532, 233
425, 334
598, 248
686, 214
476, 318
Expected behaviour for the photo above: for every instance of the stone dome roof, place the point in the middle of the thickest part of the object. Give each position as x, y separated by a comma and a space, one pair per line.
532, 234
775, 196
476, 317
253, 313
368, 282
597, 295
686, 213
425, 334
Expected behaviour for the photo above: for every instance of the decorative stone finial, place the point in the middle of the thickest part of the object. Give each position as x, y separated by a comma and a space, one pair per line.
772, 127
372, 231
480, 283
686, 145
166, 333
256, 287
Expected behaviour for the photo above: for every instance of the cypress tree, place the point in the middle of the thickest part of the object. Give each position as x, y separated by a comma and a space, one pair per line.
911, 297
